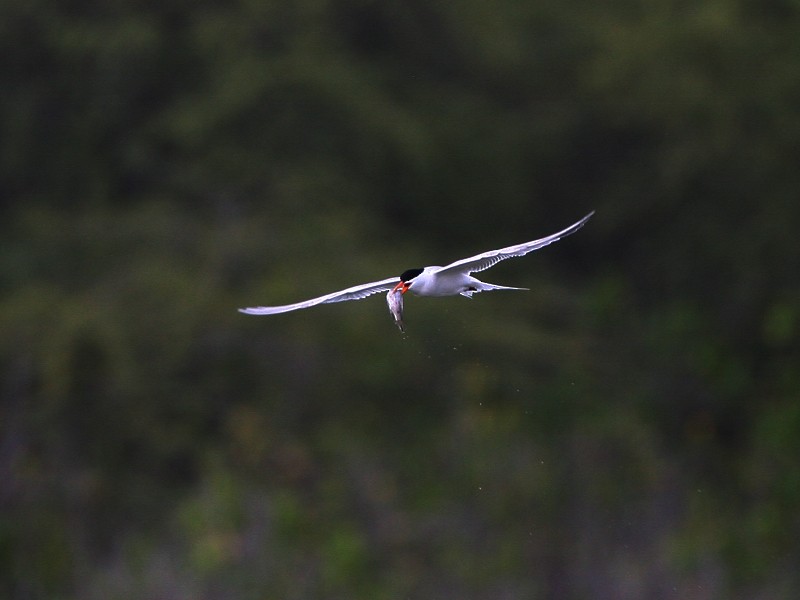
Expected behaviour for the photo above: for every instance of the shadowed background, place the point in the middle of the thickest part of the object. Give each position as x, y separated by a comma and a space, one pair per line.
626, 429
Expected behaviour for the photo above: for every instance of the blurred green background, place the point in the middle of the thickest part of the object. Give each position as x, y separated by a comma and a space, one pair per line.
629, 428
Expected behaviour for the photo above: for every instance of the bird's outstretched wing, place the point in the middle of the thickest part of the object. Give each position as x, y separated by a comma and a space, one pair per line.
357, 292
481, 262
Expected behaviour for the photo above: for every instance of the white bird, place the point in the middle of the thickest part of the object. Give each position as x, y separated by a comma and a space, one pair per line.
449, 280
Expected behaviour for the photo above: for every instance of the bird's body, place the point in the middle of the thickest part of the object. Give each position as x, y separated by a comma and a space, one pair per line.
449, 280
437, 281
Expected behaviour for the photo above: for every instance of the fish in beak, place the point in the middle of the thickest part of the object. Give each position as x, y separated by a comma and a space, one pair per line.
395, 301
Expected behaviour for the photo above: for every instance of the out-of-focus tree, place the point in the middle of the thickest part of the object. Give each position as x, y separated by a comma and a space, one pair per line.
626, 429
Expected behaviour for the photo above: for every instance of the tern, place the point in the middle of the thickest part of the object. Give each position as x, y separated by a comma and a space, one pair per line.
449, 280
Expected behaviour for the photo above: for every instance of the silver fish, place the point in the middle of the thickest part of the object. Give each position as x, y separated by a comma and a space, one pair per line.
395, 301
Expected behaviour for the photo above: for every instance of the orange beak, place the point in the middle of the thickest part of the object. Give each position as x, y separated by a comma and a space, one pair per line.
402, 286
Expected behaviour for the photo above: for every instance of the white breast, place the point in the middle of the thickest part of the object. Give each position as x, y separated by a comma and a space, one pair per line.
431, 283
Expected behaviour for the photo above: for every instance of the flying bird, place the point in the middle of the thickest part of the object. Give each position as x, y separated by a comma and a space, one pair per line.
449, 280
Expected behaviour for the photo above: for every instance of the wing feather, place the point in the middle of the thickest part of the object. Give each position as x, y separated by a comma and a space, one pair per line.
481, 262
357, 292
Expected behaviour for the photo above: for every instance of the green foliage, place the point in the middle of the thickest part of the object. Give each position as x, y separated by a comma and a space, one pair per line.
626, 429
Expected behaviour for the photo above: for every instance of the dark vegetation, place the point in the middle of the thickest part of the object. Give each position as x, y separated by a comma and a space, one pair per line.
630, 428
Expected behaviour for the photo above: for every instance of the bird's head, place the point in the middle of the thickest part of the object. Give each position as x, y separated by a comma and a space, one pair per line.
406, 279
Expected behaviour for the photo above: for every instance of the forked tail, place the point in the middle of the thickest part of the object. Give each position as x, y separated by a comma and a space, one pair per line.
488, 287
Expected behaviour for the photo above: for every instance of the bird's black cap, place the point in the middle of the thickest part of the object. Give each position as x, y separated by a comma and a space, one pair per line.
410, 274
